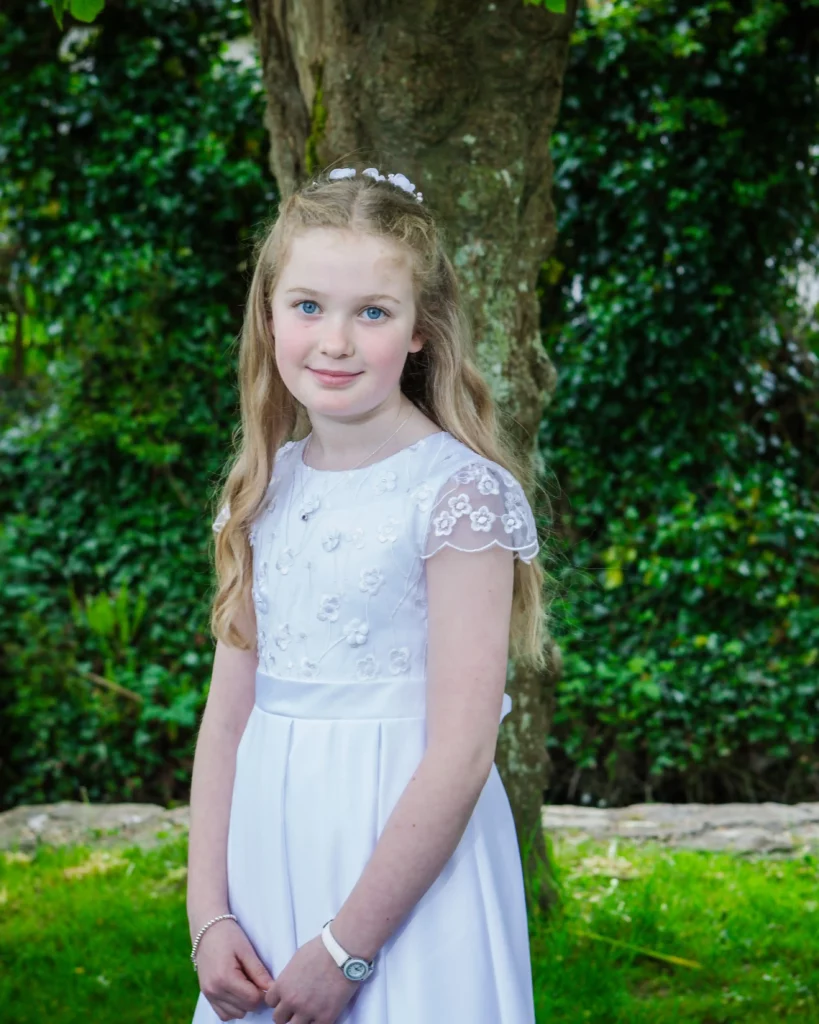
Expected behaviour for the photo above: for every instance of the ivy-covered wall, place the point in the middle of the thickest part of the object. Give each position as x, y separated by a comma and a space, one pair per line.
134, 176
683, 436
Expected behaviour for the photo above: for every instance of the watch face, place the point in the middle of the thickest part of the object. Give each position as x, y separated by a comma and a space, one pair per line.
356, 969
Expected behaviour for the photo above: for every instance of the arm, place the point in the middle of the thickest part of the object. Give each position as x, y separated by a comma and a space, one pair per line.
470, 602
229, 703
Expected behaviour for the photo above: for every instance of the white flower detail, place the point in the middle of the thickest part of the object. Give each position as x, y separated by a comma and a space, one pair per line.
328, 607
422, 496
222, 518
460, 505
331, 540
283, 637
285, 561
355, 632
308, 667
371, 580
260, 601
443, 523
512, 521
367, 667
265, 657
482, 519
513, 500
356, 537
402, 181
488, 484
342, 172
386, 481
507, 478
388, 532
310, 506
399, 660
467, 474
259, 591
399, 180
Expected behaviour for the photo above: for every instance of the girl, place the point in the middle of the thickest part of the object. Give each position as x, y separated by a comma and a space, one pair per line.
353, 856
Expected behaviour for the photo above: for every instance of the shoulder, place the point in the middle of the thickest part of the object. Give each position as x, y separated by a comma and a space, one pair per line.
283, 463
469, 502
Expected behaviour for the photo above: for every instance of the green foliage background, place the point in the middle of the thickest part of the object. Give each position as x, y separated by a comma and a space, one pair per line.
683, 436
137, 160
684, 432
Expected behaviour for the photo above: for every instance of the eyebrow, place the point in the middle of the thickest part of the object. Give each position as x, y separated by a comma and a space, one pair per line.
363, 298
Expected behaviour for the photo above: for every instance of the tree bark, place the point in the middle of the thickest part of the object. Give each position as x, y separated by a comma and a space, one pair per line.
462, 98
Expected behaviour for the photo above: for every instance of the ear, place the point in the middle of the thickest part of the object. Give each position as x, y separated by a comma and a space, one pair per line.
416, 343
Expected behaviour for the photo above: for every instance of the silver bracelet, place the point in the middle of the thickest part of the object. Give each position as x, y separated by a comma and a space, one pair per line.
203, 929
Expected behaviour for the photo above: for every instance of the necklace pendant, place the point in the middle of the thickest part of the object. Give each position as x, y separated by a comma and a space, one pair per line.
308, 508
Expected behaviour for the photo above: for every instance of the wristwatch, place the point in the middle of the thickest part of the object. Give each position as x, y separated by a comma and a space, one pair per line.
354, 968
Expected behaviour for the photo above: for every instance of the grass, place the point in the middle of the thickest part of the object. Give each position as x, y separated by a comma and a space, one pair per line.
102, 936
749, 928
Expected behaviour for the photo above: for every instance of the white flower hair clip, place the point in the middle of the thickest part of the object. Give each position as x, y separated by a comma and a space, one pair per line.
401, 180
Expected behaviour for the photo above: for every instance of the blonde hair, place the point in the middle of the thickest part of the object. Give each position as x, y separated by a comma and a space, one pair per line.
442, 380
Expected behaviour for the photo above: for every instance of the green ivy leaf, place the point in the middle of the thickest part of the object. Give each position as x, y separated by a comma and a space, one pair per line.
86, 10
58, 6
555, 6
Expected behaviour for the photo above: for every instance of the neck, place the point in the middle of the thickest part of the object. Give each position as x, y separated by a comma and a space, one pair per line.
340, 444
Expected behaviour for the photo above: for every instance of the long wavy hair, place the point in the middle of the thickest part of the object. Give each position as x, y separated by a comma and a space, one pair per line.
442, 380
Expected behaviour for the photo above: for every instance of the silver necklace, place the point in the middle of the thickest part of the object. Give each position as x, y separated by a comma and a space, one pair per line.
310, 507
287, 556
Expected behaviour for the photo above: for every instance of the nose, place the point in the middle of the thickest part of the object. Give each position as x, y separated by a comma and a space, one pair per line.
336, 339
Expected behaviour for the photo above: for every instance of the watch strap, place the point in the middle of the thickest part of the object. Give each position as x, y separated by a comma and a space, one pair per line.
337, 951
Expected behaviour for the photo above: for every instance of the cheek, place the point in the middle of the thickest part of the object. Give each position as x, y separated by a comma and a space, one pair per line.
386, 350
291, 339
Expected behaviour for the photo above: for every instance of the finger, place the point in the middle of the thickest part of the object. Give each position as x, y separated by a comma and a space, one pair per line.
226, 1010
255, 970
236, 993
283, 1014
242, 990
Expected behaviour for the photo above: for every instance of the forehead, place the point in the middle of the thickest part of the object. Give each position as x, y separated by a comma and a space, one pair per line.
329, 258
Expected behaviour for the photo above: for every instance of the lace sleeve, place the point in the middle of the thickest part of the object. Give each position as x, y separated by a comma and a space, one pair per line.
480, 506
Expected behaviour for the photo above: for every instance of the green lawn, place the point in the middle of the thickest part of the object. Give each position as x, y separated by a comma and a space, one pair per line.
110, 943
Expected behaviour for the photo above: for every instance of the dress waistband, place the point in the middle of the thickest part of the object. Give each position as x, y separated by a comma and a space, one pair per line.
299, 698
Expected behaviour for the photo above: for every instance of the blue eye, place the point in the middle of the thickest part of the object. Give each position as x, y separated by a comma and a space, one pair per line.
375, 309
307, 302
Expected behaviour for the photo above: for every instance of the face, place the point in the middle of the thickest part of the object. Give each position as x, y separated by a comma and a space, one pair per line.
344, 303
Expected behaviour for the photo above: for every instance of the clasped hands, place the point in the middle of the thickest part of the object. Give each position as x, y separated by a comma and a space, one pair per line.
309, 990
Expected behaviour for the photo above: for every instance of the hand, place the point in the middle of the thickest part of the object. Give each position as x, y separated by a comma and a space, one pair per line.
231, 975
311, 989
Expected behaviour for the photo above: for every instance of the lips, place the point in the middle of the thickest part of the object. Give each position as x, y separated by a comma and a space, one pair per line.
333, 378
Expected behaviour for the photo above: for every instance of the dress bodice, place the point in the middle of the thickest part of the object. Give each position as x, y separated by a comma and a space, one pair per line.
339, 582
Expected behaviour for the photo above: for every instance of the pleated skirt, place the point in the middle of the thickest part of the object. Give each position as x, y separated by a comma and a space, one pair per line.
319, 769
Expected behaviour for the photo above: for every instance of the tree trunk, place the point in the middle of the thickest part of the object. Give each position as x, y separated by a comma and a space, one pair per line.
462, 98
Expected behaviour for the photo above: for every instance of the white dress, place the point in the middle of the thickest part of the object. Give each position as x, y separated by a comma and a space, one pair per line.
338, 727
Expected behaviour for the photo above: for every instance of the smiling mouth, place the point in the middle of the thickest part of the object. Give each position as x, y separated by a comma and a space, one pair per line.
334, 373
